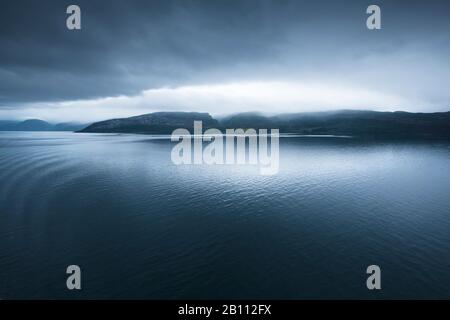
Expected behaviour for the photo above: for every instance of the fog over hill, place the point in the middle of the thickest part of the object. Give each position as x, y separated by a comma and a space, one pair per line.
344, 122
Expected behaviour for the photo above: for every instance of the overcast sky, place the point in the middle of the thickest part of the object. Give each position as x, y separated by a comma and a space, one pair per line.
220, 56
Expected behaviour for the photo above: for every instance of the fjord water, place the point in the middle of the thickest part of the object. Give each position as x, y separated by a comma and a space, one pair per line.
141, 227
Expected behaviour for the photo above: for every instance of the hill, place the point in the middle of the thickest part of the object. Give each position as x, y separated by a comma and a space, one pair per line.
370, 124
153, 123
38, 125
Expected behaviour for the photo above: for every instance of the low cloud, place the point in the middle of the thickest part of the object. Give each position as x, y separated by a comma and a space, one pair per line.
219, 99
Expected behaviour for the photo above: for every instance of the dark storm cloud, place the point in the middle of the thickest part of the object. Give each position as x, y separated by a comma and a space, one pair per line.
124, 46
128, 46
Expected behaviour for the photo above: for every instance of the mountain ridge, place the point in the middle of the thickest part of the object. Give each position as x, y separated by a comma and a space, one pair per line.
363, 123
153, 123
39, 125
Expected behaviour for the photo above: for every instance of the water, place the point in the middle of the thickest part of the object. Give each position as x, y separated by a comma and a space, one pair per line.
141, 227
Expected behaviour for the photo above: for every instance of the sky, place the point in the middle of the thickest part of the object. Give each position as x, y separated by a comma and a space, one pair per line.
220, 56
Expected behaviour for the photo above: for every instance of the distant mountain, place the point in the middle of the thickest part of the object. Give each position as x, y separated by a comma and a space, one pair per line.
38, 125
33, 125
69, 126
153, 123
369, 124
7, 123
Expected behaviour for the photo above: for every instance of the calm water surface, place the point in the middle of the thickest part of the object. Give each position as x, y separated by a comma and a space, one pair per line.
141, 227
